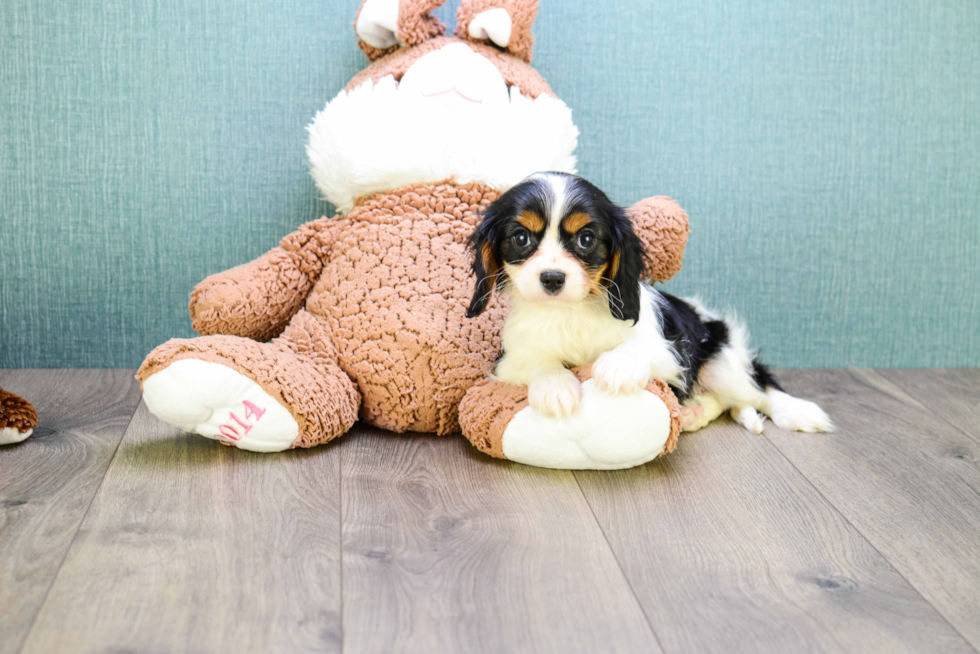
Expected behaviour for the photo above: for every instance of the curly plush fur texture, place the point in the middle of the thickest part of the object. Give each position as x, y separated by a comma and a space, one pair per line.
385, 303
17, 418
385, 291
362, 316
521, 12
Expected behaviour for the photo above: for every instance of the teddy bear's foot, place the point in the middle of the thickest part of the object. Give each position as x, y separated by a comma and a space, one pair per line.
10, 435
17, 418
608, 432
217, 402
263, 397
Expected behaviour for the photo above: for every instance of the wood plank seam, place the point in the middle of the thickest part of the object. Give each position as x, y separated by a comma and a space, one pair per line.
900, 387
619, 564
784, 573
222, 551
956, 428
47, 592
446, 551
860, 533
972, 437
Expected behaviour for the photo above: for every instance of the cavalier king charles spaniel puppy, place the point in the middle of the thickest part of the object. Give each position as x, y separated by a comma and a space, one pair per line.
573, 267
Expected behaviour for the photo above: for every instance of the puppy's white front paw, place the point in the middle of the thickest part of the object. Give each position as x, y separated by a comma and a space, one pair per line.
556, 395
617, 372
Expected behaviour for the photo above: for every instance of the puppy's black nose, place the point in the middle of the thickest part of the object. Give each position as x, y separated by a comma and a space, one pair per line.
552, 281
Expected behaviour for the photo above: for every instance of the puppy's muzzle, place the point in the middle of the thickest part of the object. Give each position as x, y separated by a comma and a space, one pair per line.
552, 281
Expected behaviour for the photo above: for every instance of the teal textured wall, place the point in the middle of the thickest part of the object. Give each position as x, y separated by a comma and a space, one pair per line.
828, 154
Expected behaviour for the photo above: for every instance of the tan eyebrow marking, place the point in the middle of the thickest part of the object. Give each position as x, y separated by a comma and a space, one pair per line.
532, 221
576, 222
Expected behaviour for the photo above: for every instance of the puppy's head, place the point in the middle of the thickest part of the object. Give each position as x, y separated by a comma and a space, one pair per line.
557, 238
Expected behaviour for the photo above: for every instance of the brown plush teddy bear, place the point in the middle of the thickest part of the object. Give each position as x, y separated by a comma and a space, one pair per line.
17, 418
363, 315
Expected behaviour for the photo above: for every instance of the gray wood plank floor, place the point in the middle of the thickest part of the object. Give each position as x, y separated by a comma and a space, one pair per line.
905, 478
730, 549
865, 540
446, 550
47, 482
191, 546
953, 394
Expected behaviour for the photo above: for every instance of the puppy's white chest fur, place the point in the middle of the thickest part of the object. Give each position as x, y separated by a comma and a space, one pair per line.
575, 333
538, 334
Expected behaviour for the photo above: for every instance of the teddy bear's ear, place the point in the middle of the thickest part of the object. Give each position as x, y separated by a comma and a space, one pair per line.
383, 25
662, 227
505, 23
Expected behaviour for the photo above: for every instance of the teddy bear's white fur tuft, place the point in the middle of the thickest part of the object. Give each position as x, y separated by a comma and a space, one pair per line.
355, 147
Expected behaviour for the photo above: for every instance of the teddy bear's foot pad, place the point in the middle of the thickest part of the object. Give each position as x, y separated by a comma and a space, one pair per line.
608, 432
10, 435
217, 402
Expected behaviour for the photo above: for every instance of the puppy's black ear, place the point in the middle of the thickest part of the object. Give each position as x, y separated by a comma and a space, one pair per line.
486, 265
626, 269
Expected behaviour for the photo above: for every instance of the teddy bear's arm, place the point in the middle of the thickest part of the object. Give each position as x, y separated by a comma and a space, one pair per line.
662, 226
256, 300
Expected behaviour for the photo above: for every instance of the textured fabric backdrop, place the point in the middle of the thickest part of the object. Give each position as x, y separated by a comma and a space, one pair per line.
828, 154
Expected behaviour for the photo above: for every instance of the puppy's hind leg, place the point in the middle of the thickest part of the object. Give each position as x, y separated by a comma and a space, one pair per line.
786, 411
698, 410
795, 414
748, 393
749, 418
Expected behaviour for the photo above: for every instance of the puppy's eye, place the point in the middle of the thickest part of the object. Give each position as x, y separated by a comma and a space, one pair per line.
586, 240
522, 239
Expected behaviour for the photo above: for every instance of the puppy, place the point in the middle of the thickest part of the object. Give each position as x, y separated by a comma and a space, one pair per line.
572, 264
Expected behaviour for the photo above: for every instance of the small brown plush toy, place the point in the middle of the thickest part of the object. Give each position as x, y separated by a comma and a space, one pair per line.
17, 418
363, 315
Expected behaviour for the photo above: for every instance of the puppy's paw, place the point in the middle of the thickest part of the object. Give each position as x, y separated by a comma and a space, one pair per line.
557, 395
617, 372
